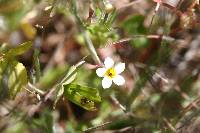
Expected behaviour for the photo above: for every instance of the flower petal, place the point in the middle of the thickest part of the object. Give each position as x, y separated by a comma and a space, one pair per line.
118, 80
119, 68
158, 1
100, 72
108, 62
106, 82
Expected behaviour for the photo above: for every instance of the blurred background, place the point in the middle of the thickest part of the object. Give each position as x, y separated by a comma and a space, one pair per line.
41, 43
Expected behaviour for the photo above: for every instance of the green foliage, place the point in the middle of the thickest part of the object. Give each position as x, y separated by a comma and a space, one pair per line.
126, 122
17, 78
134, 26
19, 127
99, 33
69, 77
13, 74
45, 122
19, 50
162, 66
140, 83
100, 30
52, 76
36, 65
85, 97
80, 95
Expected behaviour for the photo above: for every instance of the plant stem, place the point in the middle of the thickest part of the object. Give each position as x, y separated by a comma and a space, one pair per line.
86, 37
90, 47
37, 64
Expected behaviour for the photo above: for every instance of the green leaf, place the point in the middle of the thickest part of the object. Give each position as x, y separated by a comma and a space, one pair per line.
36, 64
45, 123
17, 78
134, 25
125, 122
3, 66
70, 77
13, 75
3, 63
21, 49
83, 96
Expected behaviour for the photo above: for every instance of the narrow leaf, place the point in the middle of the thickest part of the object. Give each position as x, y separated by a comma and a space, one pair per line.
37, 64
3, 66
70, 77
21, 49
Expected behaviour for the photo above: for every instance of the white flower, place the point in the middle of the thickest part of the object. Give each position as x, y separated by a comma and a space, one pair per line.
110, 72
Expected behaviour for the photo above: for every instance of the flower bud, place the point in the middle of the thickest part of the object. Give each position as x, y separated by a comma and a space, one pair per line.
109, 7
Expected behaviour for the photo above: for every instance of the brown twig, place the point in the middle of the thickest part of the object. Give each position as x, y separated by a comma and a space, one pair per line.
194, 104
169, 125
121, 41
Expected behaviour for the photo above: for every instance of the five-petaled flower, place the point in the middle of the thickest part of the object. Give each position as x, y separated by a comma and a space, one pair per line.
110, 72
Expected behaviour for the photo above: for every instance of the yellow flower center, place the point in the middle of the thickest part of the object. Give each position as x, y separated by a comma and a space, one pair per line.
110, 73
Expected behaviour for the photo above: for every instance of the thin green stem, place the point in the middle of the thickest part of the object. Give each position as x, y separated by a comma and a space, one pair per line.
37, 64
86, 37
